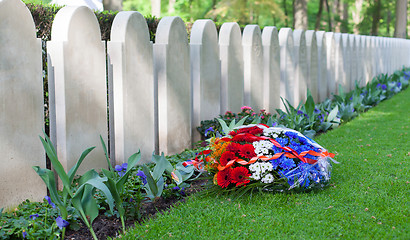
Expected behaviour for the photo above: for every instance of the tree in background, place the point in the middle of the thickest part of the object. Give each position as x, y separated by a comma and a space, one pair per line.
300, 17
112, 5
401, 19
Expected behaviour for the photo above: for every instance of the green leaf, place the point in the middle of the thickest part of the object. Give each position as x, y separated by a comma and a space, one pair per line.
132, 162
73, 170
110, 183
332, 114
106, 154
225, 128
51, 153
48, 178
162, 164
309, 105
151, 185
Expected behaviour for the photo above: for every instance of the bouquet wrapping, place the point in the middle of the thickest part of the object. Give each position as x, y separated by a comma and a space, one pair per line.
269, 158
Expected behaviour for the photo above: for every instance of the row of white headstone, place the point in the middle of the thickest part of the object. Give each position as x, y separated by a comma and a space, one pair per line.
157, 93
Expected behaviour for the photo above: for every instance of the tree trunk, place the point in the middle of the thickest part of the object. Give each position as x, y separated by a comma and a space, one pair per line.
357, 17
337, 15
171, 6
156, 8
300, 14
285, 11
319, 15
388, 21
112, 5
401, 19
376, 17
329, 16
345, 17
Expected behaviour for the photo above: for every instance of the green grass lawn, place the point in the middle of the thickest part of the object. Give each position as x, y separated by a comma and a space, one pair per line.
369, 196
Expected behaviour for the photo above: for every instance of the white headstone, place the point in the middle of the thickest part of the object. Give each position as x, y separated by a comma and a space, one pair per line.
359, 60
205, 73
96, 5
353, 61
232, 74
368, 59
331, 62
346, 62
131, 55
172, 72
322, 65
312, 64
271, 68
340, 76
299, 41
287, 66
253, 67
77, 56
21, 101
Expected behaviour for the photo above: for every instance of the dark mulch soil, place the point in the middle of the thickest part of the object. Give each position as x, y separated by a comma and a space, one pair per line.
111, 226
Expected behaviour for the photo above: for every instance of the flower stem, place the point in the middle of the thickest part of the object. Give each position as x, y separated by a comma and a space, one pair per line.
123, 224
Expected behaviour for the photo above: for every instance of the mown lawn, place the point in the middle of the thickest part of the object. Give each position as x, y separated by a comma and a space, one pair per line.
369, 196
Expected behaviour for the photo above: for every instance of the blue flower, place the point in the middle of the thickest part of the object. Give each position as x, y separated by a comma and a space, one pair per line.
300, 112
291, 134
282, 141
321, 117
182, 192
24, 234
175, 188
398, 84
121, 174
142, 176
61, 223
49, 201
317, 111
34, 216
273, 124
275, 163
384, 87
118, 168
406, 75
124, 166
207, 131
287, 163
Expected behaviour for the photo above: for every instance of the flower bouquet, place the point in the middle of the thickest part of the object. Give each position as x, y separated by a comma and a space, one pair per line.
266, 158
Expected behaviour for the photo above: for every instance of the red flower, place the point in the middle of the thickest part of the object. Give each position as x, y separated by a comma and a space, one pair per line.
245, 137
240, 176
234, 147
247, 151
226, 157
224, 177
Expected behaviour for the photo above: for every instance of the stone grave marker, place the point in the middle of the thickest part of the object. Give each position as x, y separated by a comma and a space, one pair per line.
299, 40
172, 73
312, 64
331, 62
253, 67
131, 55
322, 65
205, 74
232, 66
287, 66
78, 89
271, 68
22, 106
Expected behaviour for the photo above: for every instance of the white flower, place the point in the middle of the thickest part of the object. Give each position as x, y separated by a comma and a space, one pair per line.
255, 176
268, 178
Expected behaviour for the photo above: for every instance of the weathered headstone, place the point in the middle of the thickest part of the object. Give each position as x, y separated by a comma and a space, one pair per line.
299, 41
271, 68
131, 55
253, 67
346, 62
368, 59
287, 66
359, 61
312, 64
322, 65
232, 74
363, 58
79, 88
21, 101
331, 62
205, 73
172, 73
340, 77
352, 61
